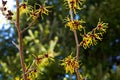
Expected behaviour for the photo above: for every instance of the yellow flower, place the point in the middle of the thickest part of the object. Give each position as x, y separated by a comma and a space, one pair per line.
96, 36
101, 26
87, 41
31, 71
32, 74
74, 24
42, 60
33, 15
70, 64
75, 4
25, 8
43, 9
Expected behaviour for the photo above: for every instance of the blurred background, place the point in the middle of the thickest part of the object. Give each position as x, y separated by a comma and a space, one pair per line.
100, 62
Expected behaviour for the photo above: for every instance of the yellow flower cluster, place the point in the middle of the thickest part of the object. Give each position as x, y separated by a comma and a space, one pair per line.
74, 24
75, 4
34, 13
33, 70
42, 60
70, 64
29, 76
91, 37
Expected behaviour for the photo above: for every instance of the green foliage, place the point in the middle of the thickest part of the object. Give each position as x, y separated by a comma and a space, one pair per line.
49, 35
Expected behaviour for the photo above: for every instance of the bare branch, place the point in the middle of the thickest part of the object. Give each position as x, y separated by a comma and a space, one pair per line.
20, 40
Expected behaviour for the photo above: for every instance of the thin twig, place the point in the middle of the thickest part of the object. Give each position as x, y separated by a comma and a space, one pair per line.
20, 40
30, 25
15, 45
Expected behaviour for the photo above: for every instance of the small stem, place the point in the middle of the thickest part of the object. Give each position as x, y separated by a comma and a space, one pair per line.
15, 45
32, 23
20, 40
77, 43
77, 54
